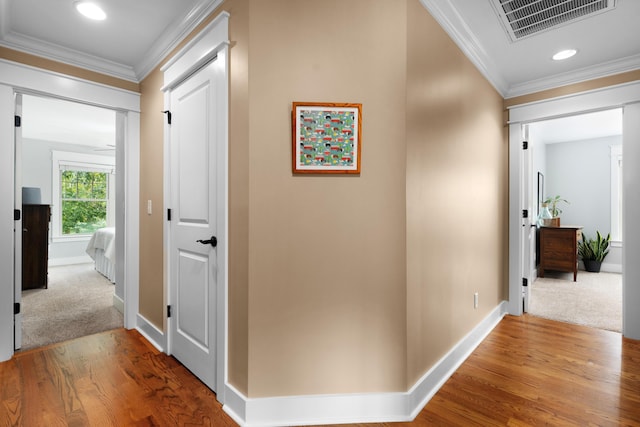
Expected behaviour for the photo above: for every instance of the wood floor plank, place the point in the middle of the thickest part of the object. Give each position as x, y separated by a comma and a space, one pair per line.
535, 372
527, 372
110, 379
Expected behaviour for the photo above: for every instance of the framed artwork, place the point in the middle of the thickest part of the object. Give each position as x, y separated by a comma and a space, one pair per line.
327, 138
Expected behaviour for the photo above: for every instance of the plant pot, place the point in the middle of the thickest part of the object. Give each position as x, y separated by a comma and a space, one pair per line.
551, 222
592, 265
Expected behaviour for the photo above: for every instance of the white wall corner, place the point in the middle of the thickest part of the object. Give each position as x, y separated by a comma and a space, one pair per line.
155, 336
118, 303
358, 408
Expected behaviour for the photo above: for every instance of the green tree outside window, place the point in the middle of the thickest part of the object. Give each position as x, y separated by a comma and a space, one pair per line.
84, 201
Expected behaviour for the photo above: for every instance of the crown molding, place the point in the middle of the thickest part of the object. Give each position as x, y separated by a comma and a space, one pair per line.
161, 48
605, 69
451, 21
68, 56
174, 35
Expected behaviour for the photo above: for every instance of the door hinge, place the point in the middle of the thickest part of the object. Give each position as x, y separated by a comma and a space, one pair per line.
525, 213
17, 121
16, 308
525, 145
168, 311
16, 214
525, 281
168, 113
168, 214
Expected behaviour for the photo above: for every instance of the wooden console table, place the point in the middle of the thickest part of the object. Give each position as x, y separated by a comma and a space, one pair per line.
559, 249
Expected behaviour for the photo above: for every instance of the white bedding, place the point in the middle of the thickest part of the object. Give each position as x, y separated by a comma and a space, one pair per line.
101, 248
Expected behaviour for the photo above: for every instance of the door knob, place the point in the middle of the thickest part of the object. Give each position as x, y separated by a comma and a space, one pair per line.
212, 241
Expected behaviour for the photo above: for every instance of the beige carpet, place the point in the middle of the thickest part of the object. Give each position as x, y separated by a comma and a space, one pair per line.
594, 300
78, 302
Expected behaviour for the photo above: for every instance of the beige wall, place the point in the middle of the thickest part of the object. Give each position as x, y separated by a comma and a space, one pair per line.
327, 253
456, 194
346, 284
239, 195
151, 188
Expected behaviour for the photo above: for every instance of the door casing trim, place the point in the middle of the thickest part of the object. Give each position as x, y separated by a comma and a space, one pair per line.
21, 78
584, 102
211, 43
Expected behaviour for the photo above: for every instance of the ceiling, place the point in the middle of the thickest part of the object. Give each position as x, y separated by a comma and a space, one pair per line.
130, 43
577, 128
607, 43
138, 34
55, 120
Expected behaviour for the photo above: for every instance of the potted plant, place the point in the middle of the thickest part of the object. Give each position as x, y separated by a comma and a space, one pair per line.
552, 204
593, 251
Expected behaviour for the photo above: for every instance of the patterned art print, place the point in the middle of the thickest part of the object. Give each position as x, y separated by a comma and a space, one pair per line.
326, 138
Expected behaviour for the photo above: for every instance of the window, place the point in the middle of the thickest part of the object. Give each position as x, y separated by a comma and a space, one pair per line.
82, 194
84, 199
616, 193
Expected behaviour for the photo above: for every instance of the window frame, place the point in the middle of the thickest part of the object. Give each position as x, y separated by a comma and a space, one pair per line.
83, 161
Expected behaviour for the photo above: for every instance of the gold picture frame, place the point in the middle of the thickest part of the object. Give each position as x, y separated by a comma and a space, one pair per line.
327, 138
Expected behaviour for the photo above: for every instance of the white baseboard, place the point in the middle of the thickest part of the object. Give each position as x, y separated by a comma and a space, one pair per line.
358, 408
118, 303
605, 267
611, 268
154, 335
84, 259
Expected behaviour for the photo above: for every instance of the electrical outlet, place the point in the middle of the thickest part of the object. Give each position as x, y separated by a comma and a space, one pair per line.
149, 207
475, 300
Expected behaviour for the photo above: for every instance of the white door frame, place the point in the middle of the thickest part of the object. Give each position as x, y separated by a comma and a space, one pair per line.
18, 224
585, 102
20, 78
212, 42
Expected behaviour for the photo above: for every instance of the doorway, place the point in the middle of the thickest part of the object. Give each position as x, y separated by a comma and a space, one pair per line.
578, 161
17, 78
626, 96
66, 165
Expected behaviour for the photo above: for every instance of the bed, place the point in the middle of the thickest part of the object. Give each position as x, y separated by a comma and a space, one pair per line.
101, 248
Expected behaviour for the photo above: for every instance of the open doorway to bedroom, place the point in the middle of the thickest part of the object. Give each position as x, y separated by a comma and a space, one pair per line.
578, 161
67, 168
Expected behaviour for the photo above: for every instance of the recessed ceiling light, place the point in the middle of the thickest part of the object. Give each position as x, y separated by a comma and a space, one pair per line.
91, 10
564, 54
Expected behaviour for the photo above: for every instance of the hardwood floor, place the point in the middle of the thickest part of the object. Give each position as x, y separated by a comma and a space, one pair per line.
528, 372
114, 378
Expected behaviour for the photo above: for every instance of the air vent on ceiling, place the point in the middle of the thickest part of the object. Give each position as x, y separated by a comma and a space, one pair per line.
522, 18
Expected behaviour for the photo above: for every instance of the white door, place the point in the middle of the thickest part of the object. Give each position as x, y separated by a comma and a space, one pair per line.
17, 294
194, 257
528, 220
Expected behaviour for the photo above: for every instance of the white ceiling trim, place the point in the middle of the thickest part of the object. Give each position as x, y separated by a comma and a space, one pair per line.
160, 49
451, 21
68, 56
174, 35
589, 73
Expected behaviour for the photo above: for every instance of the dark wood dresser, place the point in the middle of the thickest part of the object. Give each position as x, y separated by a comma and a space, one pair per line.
35, 245
559, 249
